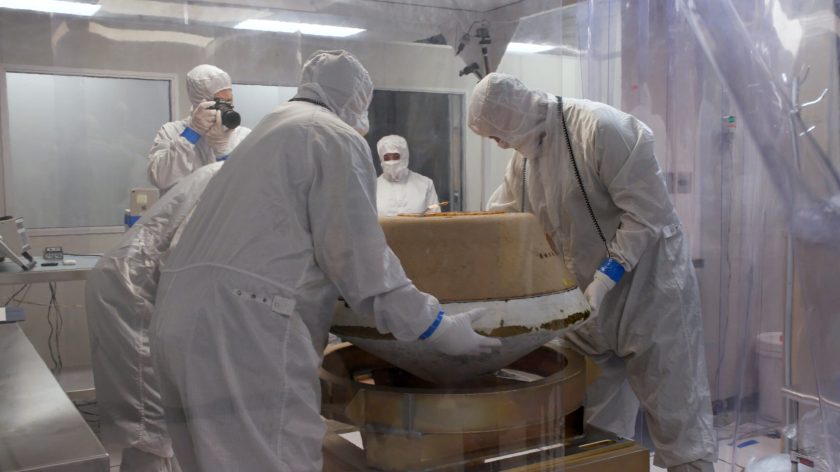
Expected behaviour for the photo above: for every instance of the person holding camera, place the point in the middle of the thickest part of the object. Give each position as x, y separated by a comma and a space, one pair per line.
208, 135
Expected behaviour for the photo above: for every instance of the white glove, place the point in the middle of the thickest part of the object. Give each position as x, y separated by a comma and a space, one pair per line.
456, 337
595, 292
202, 118
218, 136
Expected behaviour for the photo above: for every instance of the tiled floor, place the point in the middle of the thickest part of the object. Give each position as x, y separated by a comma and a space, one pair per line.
737, 457
116, 457
748, 450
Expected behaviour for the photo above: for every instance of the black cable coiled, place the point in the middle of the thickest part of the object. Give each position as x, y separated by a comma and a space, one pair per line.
577, 175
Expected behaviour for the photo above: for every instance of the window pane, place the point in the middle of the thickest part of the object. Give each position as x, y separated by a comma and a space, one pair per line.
78, 145
431, 124
253, 102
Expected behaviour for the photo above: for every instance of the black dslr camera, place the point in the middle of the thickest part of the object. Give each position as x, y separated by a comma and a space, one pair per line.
230, 118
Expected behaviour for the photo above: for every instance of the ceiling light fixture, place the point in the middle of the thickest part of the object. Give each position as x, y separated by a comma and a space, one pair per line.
303, 28
529, 48
148, 36
52, 6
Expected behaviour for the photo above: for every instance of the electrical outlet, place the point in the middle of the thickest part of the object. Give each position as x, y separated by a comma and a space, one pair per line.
683, 182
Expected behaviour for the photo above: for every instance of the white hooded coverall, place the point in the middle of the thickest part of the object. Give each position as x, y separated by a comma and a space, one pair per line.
398, 189
245, 305
173, 156
648, 331
119, 299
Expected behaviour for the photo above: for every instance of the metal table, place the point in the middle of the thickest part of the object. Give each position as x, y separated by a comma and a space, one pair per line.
12, 274
76, 381
40, 429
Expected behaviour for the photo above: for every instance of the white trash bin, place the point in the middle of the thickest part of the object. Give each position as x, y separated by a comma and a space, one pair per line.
770, 375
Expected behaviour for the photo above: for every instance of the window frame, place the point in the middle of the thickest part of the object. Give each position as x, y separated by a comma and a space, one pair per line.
457, 168
5, 147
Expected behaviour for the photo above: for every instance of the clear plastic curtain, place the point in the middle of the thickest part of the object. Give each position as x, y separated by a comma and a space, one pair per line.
752, 167
418, 94
778, 60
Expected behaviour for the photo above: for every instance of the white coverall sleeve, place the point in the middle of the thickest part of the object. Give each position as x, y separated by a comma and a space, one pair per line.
631, 174
432, 198
172, 157
508, 196
176, 237
238, 135
349, 244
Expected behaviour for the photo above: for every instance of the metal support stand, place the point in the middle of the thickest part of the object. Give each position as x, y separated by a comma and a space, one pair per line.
792, 397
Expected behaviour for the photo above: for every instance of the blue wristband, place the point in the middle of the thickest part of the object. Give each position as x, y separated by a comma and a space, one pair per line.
432, 327
612, 269
222, 158
191, 135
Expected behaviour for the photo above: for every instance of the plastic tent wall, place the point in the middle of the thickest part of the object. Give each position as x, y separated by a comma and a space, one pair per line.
742, 97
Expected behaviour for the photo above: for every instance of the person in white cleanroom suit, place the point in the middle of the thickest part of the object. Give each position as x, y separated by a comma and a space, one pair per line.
399, 190
646, 328
119, 299
183, 146
245, 304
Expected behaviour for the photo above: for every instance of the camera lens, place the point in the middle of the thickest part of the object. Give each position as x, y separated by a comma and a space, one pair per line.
231, 119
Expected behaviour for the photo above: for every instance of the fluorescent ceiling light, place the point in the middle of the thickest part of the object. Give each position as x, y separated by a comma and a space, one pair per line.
304, 28
149, 36
529, 48
52, 6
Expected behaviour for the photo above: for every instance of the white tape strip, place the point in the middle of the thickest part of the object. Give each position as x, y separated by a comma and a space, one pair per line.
282, 305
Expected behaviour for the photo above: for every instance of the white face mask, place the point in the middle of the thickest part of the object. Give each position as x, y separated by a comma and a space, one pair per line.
395, 171
528, 148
